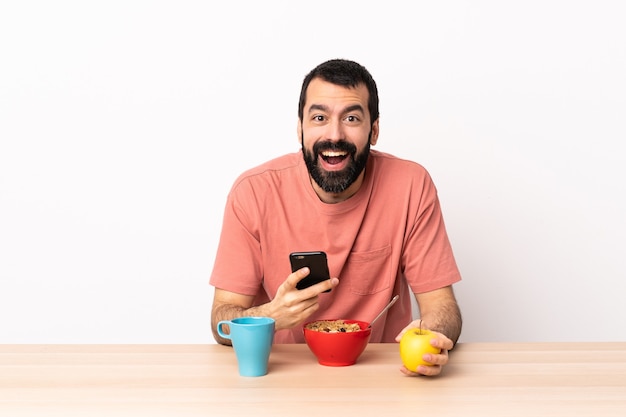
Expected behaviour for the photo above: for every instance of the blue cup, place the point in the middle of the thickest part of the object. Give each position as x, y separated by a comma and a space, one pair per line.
252, 339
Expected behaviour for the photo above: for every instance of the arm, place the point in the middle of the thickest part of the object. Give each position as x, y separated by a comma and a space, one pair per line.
439, 313
289, 307
227, 306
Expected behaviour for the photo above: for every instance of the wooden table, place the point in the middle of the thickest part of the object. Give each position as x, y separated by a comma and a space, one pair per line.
483, 379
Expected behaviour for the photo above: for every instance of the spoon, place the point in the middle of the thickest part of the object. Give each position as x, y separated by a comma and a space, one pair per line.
393, 300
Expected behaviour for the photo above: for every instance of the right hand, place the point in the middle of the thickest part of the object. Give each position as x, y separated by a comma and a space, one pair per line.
291, 306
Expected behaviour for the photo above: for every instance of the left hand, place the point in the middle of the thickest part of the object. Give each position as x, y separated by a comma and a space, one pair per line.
438, 360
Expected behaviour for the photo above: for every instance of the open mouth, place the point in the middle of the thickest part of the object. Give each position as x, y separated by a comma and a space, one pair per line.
334, 157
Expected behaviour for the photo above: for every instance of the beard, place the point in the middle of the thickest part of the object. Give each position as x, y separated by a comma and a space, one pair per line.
335, 181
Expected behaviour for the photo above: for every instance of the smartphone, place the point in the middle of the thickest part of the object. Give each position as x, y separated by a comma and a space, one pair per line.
317, 263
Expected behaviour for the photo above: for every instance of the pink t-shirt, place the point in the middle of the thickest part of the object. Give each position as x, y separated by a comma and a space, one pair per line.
389, 234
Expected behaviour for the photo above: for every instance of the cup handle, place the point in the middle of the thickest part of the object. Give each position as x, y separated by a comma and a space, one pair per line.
219, 329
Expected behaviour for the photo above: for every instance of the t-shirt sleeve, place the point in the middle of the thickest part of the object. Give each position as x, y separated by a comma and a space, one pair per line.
428, 259
238, 267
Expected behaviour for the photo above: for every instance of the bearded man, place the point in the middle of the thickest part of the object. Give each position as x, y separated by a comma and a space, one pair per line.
376, 216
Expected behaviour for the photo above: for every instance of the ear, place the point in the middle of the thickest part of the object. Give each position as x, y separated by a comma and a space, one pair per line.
299, 131
375, 130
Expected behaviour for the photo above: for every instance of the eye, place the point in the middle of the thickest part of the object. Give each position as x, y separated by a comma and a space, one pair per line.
352, 119
318, 118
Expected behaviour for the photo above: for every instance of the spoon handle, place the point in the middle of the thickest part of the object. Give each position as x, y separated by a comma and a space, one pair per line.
393, 300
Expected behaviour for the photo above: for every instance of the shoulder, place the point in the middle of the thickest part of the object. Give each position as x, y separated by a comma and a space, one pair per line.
386, 164
393, 176
272, 171
273, 167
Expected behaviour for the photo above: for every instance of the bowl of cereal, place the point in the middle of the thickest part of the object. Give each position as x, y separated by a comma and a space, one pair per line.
337, 342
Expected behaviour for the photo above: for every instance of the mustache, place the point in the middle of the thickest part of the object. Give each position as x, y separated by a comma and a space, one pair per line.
328, 145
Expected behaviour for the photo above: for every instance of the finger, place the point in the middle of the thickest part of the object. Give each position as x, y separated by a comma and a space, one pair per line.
429, 370
320, 287
405, 371
442, 342
422, 370
413, 325
295, 277
436, 359
314, 290
311, 308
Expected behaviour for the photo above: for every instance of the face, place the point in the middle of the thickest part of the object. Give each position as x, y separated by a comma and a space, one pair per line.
336, 133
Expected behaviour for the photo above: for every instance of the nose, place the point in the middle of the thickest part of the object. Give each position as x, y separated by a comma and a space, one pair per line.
334, 131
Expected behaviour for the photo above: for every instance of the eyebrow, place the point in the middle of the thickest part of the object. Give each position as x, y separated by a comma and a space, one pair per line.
349, 109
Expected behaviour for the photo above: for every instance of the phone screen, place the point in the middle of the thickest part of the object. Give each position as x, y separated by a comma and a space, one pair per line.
317, 263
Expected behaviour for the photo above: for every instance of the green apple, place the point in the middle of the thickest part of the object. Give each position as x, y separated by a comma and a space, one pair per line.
413, 345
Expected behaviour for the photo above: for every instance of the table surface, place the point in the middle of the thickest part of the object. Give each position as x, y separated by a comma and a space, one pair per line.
482, 379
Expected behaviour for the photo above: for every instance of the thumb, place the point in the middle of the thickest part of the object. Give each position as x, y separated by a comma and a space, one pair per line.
295, 277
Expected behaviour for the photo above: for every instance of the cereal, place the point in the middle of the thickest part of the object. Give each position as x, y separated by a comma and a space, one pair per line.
333, 326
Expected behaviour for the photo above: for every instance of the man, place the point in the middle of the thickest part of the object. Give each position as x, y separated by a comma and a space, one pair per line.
376, 216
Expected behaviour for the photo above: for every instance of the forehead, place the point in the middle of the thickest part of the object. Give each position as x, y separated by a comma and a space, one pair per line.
320, 92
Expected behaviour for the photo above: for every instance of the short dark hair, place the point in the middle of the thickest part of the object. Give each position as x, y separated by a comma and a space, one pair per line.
345, 73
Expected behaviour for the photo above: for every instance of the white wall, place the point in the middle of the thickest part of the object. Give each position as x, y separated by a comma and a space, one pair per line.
124, 123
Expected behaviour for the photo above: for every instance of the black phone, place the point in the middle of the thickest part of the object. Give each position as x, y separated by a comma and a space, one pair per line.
317, 263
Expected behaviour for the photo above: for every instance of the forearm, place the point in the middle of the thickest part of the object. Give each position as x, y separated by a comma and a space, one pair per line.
446, 319
289, 307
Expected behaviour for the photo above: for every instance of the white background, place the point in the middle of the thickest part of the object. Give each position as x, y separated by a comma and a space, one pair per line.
124, 123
